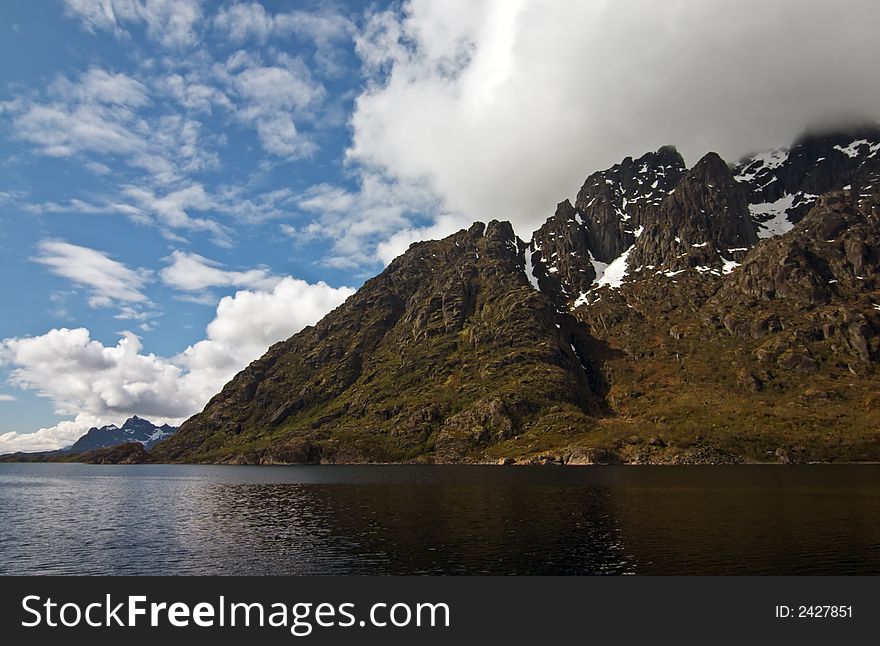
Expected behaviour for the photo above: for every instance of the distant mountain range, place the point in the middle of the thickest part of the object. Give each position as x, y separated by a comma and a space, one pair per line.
135, 429
718, 313
108, 444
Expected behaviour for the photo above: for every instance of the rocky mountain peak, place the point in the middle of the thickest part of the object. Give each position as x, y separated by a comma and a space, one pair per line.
560, 255
575, 245
614, 203
702, 223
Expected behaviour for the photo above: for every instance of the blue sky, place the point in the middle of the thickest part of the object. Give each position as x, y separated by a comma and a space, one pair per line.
183, 183
136, 141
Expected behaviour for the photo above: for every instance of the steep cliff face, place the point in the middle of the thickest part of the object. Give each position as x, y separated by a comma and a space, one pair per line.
572, 250
813, 294
662, 317
615, 203
833, 253
448, 351
560, 258
703, 222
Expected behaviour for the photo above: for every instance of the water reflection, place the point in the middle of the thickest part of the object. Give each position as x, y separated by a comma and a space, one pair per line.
419, 529
430, 520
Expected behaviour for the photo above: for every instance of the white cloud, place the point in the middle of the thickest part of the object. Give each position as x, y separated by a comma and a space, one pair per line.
108, 281
241, 21
171, 211
99, 86
170, 22
193, 273
7, 398
60, 132
80, 375
193, 94
105, 384
48, 439
109, 114
325, 29
503, 107
271, 97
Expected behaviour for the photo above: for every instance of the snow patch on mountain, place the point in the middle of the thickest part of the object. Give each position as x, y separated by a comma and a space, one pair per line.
529, 268
760, 163
772, 217
616, 271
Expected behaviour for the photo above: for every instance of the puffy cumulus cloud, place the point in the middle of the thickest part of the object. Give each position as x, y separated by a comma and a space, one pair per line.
7, 398
169, 22
109, 281
191, 272
504, 106
48, 439
81, 375
106, 384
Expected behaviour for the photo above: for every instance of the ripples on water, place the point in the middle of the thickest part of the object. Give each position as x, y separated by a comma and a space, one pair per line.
156, 519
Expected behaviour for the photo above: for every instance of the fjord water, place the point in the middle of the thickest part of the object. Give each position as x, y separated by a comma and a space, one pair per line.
161, 519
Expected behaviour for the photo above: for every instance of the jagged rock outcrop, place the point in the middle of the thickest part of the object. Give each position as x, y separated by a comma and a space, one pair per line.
704, 221
448, 351
615, 203
577, 243
816, 287
561, 259
832, 251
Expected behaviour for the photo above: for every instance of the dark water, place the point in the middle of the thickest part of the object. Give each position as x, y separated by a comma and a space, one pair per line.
151, 519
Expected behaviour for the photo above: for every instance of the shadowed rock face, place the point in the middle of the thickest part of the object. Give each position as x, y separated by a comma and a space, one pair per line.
712, 343
612, 207
616, 202
562, 261
698, 224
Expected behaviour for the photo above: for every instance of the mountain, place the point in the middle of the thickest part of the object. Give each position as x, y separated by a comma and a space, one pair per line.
450, 348
135, 429
719, 313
